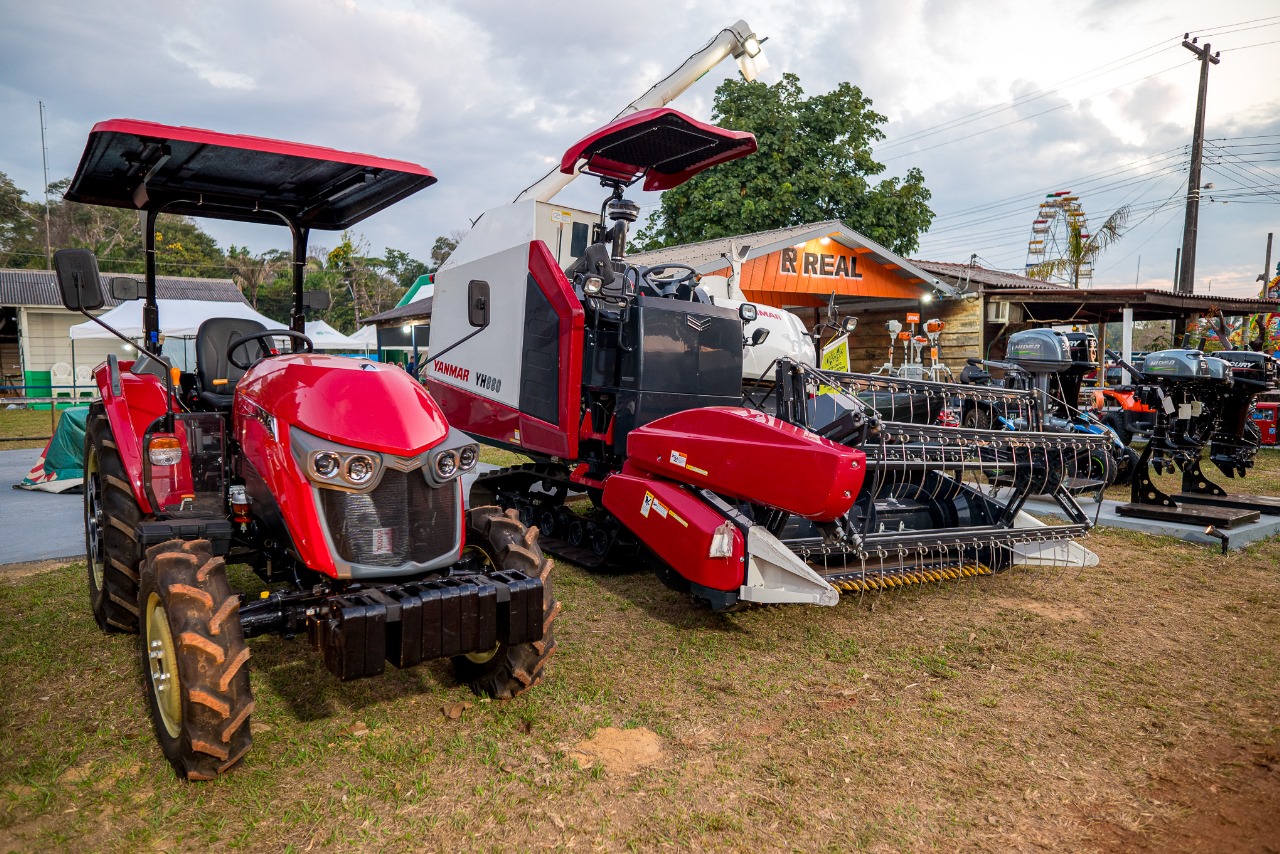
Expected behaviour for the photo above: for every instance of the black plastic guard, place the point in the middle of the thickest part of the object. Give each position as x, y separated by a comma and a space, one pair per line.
408, 624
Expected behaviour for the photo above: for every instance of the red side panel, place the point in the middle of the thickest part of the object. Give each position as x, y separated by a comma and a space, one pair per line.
562, 441
751, 456
677, 526
265, 443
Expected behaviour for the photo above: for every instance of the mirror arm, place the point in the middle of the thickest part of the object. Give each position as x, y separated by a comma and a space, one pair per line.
106, 327
461, 340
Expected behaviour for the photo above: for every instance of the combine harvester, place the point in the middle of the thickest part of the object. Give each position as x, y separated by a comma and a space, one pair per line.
624, 383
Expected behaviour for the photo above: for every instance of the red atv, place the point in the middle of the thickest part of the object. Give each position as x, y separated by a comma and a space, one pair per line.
337, 480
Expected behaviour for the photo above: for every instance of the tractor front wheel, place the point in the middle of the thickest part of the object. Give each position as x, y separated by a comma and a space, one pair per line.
194, 659
501, 542
110, 514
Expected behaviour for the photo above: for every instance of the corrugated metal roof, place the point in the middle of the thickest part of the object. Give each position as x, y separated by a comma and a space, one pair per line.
985, 278
420, 308
40, 287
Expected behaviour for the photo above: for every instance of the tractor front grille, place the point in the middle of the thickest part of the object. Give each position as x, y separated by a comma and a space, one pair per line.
403, 519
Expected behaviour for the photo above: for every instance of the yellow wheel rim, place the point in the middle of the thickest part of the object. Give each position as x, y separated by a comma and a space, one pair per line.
162, 661
485, 560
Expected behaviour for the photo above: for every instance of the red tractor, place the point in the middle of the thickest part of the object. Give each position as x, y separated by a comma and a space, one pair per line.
338, 481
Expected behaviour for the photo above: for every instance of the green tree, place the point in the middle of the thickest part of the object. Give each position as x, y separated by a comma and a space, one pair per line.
1082, 249
814, 163
443, 248
404, 269
250, 272
21, 227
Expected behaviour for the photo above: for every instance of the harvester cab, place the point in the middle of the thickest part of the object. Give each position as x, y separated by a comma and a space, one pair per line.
338, 481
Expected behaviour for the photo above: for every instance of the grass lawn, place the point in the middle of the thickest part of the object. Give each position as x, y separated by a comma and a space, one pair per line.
31, 424
1131, 706
1262, 479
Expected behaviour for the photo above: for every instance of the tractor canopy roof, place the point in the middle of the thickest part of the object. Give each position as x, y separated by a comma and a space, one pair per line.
662, 145
194, 172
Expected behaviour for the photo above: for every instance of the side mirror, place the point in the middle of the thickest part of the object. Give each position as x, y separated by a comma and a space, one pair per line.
77, 271
478, 304
758, 337
747, 311
850, 324
316, 300
124, 288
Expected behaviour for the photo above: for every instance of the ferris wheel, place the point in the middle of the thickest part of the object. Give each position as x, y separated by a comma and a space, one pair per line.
1049, 250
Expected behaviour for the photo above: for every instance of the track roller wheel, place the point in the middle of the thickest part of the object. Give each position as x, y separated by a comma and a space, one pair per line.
194, 659
503, 542
111, 513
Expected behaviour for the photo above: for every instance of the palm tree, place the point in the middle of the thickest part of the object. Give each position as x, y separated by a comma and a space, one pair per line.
1082, 249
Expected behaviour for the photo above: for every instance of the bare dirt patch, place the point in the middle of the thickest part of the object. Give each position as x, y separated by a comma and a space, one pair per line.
1226, 800
15, 571
620, 751
1056, 611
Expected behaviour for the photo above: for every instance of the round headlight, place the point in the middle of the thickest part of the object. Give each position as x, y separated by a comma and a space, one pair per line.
325, 464
447, 464
359, 469
467, 457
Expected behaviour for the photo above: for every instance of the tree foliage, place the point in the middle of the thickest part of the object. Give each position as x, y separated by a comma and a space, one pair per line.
814, 163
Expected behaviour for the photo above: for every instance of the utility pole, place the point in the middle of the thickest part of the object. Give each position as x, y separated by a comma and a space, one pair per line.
1266, 269
1186, 281
44, 154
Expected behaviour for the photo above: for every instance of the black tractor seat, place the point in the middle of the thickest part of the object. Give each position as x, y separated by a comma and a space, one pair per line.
216, 377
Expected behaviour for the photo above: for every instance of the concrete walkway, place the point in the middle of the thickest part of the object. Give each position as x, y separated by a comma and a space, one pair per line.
36, 525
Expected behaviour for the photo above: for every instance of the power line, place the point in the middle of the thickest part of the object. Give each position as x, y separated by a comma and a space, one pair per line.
1032, 116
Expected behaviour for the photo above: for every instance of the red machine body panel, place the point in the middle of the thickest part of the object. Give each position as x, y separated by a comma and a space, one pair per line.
1266, 417
483, 416
349, 401
677, 526
130, 412
346, 400
751, 456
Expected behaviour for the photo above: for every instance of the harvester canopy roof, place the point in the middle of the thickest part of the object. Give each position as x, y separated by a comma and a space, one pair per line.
194, 172
662, 145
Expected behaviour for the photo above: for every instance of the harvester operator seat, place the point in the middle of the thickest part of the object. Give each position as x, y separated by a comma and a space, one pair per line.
216, 377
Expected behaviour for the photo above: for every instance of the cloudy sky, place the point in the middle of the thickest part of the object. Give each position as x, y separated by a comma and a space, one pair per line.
999, 102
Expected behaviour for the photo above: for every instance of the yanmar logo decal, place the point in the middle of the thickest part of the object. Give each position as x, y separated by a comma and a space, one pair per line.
457, 373
698, 323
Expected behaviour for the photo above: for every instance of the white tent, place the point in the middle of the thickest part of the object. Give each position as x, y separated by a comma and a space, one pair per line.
179, 318
325, 337
366, 336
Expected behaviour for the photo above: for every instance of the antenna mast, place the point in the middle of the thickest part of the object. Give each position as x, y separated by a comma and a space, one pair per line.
44, 156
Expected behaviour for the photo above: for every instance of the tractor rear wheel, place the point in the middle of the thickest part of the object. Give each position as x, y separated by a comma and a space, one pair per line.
502, 541
194, 659
110, 515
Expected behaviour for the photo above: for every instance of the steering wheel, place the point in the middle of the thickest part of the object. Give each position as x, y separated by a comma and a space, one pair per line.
236, 343
667, 287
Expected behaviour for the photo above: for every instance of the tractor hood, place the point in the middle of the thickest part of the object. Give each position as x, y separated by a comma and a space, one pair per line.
350, 401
